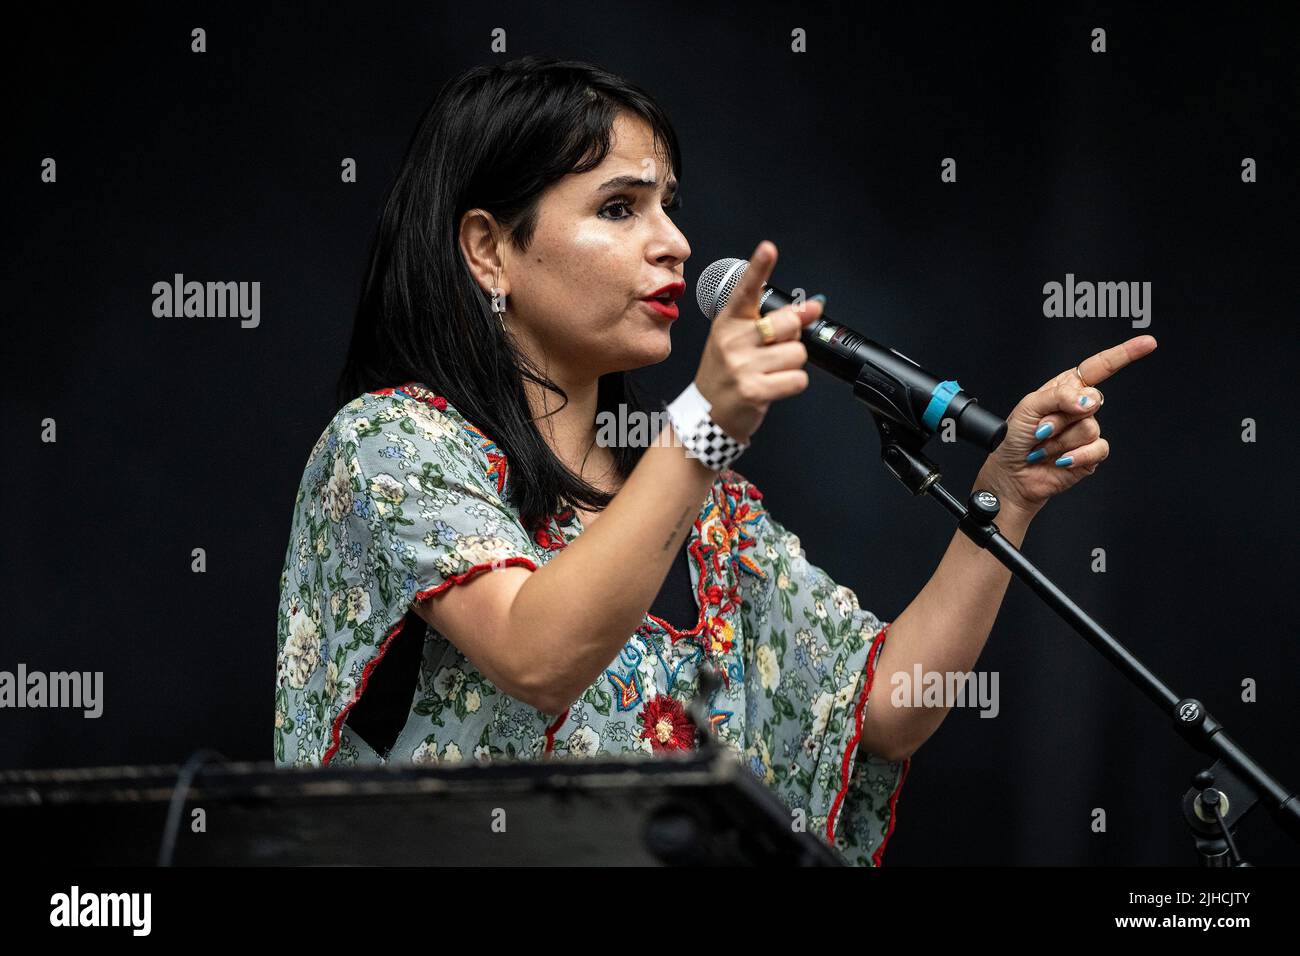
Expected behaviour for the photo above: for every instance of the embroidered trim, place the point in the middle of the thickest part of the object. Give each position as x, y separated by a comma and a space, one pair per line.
743, 518
696, 551
846, 765
383, 647
337, 730
672, 672
513, 561
550, 731
708, 565
496, 469
550, 536
418, 392
628, 687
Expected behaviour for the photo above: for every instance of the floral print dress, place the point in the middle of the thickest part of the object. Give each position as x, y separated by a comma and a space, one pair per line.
402, 497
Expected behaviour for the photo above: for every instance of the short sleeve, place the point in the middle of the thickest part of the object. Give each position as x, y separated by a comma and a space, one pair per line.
396, 504
424, 492
811, 653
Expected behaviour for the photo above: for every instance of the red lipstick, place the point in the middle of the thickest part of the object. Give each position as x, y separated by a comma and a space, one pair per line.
663, 301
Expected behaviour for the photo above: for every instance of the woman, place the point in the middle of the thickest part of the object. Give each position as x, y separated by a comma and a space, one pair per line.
507, 297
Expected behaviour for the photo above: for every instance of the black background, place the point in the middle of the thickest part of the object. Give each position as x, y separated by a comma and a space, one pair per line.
1123, 166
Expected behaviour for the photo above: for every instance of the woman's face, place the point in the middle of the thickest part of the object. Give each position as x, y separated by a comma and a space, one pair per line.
576, 295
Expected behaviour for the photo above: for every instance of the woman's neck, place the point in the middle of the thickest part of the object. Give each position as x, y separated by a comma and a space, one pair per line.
571, 431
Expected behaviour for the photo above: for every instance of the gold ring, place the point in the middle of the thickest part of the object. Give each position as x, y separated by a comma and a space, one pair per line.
765, 327
1080, 374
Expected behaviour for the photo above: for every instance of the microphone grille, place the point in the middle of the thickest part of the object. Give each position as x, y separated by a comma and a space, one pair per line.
716, 284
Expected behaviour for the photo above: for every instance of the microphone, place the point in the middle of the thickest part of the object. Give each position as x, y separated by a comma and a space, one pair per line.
891, 384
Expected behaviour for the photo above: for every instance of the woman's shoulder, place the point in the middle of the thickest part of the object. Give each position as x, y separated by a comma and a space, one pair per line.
397, 403
412, 421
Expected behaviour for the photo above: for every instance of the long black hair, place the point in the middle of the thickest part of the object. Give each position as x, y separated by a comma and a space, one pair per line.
494, 138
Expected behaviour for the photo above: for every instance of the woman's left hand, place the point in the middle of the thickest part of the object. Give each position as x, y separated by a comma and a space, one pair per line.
1035, 461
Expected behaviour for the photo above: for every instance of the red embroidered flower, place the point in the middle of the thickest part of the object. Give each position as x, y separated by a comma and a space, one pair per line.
722, 635
714, 594
753, 492
418, 392
666, 725
497, 469
545, 539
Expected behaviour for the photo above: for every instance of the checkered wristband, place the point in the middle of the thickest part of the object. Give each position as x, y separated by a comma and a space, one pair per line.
701, 436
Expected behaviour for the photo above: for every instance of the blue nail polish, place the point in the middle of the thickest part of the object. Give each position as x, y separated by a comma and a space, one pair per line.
1064, 460
820, 298
1084, 400
1035, 455
1043, 431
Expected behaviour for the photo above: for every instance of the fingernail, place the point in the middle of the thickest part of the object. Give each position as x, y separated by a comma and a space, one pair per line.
1043, 430
1064, 460
1084, 400
820, 298
1036, 454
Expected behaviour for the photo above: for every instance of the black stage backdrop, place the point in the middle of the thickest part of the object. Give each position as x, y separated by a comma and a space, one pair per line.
1124, 165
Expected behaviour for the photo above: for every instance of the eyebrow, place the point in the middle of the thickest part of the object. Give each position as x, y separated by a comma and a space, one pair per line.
633, 182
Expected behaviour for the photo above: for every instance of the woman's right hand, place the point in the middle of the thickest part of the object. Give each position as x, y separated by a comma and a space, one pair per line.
738, 374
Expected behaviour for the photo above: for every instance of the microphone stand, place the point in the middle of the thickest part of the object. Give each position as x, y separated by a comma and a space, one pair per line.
1211, 811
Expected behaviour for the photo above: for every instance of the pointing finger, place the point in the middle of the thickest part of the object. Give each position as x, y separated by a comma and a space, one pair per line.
1097, 368
744, 300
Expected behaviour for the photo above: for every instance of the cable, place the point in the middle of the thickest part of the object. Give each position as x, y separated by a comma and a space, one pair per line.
189, 770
